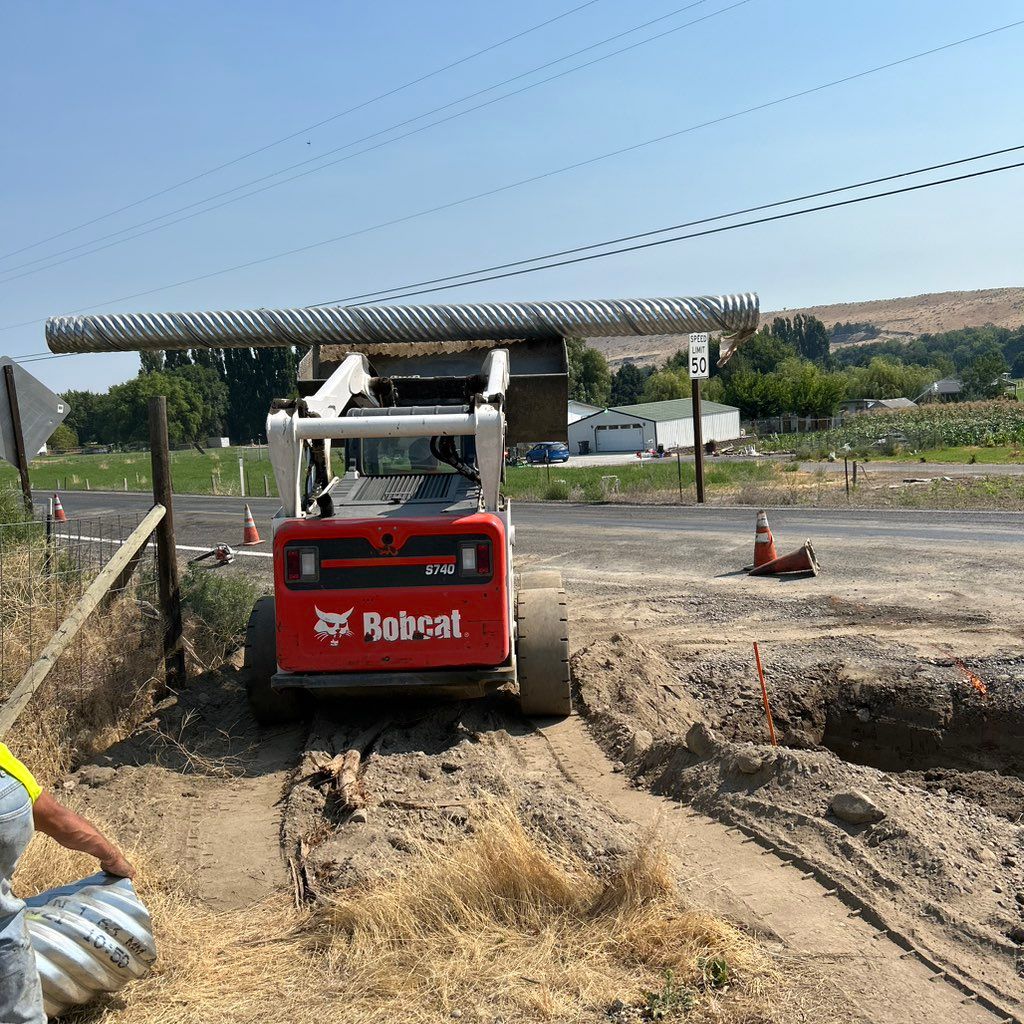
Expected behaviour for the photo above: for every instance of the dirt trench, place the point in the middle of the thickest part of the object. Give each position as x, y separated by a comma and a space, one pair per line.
937, 759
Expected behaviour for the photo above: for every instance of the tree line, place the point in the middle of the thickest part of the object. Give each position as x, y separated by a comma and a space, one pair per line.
791, 366
210, 393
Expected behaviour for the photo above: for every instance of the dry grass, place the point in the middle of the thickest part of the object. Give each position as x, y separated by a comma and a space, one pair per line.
100, 689
492, 928
103, 684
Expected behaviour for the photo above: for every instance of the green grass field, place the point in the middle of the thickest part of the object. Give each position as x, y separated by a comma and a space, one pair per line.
996, 455
215, 471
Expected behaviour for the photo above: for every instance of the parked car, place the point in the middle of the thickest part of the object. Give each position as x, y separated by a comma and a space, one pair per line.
548, 451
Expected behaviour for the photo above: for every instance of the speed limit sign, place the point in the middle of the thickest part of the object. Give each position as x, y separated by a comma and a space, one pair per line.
699, 369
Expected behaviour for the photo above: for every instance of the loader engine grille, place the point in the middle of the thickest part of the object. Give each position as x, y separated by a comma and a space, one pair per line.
407, 487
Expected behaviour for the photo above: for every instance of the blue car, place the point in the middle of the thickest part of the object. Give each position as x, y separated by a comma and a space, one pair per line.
548, 451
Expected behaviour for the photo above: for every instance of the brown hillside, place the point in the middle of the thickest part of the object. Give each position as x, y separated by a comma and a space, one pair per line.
895, 318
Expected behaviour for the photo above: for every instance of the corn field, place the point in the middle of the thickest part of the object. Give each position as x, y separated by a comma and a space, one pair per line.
962, 424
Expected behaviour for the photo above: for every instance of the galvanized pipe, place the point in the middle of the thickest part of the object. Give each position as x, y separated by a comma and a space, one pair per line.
344, 427
737, 315
90, 938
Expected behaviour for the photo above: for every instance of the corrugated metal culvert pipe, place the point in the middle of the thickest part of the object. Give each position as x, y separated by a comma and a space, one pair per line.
90, 938
736, 315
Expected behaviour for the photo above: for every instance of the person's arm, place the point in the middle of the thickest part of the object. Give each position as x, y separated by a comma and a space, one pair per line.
74, 832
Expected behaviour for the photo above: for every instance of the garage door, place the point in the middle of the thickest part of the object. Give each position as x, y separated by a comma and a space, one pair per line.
619, 437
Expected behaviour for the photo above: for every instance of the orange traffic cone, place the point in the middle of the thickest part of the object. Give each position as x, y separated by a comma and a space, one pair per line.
59, 515
764, 542
801, 560
250, 535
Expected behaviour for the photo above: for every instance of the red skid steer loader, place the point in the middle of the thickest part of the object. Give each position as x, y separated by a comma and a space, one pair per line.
396, 573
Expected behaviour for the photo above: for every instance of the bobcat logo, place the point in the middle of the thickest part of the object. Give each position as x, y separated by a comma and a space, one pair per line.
332, 626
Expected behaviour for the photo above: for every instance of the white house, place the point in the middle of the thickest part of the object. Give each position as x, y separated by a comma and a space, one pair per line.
630, 428
577, 410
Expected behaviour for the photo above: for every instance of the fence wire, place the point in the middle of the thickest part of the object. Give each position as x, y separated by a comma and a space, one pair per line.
45, 568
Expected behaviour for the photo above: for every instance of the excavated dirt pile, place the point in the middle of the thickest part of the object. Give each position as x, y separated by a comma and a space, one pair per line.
896, 778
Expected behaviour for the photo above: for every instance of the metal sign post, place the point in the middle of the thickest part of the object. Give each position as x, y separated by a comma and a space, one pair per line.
699, 370
11, 390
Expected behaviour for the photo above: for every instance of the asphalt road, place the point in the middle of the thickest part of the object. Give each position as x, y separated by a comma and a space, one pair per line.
202, 521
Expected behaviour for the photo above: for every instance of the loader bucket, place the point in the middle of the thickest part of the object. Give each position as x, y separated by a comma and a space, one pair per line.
538, 389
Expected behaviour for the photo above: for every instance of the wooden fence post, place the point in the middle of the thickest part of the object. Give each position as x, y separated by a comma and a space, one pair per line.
167, 555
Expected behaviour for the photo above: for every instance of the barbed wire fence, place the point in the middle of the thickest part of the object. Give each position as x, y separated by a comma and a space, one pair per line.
112, 666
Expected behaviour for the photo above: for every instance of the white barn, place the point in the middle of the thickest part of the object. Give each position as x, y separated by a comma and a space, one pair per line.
578, 410
631, 428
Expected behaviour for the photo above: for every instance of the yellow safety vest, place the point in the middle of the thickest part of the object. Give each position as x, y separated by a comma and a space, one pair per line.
13, 767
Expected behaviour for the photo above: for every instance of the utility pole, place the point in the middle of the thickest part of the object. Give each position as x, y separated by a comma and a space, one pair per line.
699, 345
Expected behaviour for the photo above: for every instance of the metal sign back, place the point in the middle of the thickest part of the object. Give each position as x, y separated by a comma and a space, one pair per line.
41, 413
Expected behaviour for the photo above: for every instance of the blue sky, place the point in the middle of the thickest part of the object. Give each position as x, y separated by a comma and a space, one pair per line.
104, 103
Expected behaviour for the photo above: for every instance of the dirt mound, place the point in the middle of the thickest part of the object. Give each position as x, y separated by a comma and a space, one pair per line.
625, 687
945, 860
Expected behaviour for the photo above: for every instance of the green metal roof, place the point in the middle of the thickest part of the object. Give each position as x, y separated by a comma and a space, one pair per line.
676, 409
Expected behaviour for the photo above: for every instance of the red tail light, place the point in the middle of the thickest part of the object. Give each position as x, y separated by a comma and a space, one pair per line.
301, 565
483, 559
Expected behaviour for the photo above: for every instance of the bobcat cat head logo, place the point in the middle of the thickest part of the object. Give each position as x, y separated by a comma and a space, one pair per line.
332, 626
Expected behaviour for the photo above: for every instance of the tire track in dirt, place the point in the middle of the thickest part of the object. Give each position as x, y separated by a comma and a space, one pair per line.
234, 855
733, 875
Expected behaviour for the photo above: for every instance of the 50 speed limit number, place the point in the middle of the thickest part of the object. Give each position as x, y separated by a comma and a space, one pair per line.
699, 345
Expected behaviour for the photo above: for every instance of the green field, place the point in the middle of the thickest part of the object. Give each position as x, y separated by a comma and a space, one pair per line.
933, 431
215, 471
996, 455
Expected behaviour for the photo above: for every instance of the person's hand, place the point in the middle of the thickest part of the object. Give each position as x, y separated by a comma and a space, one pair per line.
118, 865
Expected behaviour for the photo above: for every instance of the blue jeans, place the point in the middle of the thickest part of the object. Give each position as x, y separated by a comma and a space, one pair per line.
21, 998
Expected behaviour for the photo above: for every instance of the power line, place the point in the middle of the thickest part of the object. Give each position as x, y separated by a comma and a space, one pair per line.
713, 231
384, 295
302, 131
484, 276
534, 178
366, 138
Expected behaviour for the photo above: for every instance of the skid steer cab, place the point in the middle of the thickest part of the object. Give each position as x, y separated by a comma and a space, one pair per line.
397, 576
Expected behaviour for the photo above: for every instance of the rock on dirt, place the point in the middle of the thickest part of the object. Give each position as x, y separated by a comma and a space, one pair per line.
856, 808
96, 775
641, 742
748, 762
701, 740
